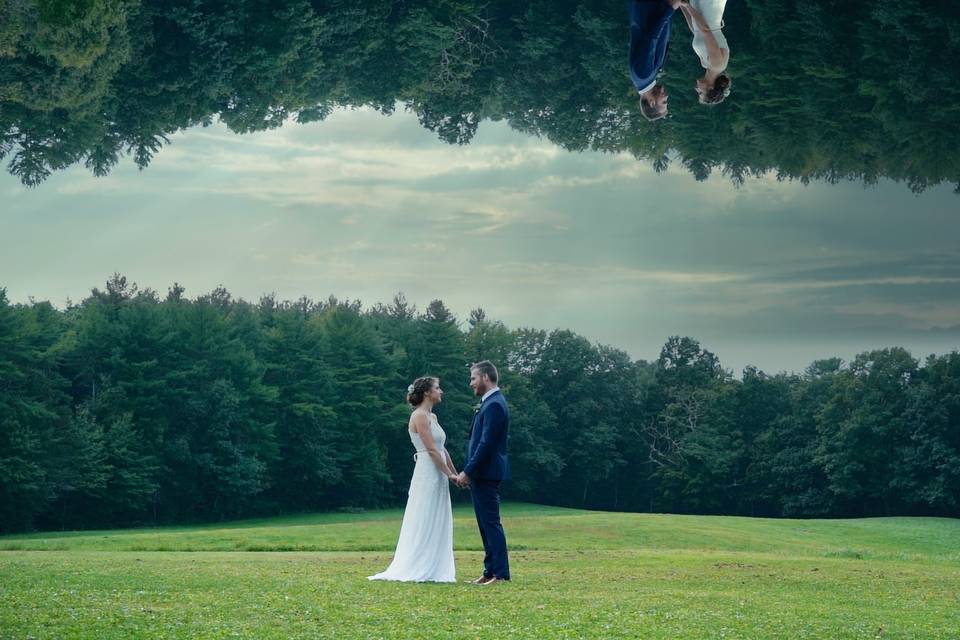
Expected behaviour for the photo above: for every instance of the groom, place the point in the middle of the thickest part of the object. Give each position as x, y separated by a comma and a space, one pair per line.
649, 38
486, 467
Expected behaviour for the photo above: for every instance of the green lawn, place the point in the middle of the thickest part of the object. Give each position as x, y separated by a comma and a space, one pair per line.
576, 574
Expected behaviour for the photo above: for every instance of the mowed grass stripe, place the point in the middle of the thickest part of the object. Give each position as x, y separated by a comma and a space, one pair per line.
577, 574
555, 594
534, 527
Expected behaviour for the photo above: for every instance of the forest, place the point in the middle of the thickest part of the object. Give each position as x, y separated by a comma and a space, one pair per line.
132, 408
822, 90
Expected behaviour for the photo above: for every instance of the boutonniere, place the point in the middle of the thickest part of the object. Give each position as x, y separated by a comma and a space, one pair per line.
476, 408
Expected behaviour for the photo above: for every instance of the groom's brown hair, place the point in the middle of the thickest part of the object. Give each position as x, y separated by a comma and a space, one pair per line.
485, 367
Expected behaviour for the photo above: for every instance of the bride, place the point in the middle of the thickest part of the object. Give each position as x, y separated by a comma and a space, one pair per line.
705, 19
425, 548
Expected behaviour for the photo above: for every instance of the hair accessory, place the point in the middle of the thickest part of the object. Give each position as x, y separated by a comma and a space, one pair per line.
410, 389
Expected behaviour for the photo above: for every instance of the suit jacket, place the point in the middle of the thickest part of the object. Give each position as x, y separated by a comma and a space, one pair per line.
649, 38
487, 445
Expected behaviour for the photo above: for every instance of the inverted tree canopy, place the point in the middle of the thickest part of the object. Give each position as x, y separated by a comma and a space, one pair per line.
821, 91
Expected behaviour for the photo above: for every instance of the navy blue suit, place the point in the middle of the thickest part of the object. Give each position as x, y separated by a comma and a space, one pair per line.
649, 38
487, 466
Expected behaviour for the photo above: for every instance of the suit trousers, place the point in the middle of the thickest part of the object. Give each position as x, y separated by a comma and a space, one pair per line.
486, 505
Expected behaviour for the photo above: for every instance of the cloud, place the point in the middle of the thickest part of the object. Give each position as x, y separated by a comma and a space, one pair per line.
328, 255
560, 274
362, 206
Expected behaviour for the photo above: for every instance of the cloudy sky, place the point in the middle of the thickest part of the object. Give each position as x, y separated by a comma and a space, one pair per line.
363, 206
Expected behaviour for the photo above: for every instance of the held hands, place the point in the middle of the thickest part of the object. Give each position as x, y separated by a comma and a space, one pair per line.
462, 480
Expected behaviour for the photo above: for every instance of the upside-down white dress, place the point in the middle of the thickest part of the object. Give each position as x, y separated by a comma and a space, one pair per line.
712, 12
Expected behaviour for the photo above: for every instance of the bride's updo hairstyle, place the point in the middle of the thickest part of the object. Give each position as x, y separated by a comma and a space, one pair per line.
417, 391
718, 92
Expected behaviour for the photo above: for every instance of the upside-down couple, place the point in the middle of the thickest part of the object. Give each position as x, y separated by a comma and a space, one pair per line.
650, 37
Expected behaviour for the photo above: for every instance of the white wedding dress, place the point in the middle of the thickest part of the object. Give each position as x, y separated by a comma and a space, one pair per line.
425, 548
712, 12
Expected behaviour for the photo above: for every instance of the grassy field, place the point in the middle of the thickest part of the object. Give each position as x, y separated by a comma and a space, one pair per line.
577, 574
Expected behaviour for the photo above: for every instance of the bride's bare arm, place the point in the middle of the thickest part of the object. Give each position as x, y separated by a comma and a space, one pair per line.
453, 469
686, 15
421, 424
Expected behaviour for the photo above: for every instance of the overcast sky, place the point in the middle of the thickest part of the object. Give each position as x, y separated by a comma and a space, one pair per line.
363, 206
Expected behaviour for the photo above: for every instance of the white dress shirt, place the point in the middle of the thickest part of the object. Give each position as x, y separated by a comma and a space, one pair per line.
489, 393
648, 87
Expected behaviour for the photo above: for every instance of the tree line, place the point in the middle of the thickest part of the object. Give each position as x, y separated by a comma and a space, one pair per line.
822, 90
131, 408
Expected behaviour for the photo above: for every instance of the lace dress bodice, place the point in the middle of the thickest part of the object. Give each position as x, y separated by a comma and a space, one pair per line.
439, 437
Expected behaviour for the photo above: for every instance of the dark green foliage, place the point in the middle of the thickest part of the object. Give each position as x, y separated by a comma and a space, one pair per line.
821, 90
863, 429
359, 373
32, 406
127, 409
306, 465
926, 469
